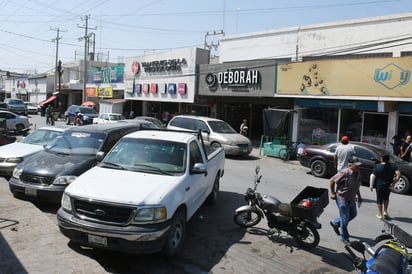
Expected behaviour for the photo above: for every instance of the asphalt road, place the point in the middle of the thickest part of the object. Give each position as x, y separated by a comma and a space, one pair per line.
30, 241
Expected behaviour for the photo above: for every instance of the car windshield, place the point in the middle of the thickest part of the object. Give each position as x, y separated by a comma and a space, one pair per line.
115, 117
155, 156
87, 110
41, 137
77, 142
16, 102
221, 127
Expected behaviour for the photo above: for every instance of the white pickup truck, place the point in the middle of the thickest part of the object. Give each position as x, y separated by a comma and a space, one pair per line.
143, 192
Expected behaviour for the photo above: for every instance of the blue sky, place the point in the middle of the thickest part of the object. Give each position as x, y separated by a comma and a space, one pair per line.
128, 28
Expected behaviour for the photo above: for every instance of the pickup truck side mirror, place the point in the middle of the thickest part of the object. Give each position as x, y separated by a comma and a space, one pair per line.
199, 168
100, 155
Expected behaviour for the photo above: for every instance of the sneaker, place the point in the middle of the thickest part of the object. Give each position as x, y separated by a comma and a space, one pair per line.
380, 217
335, 228
386, 216
345, 242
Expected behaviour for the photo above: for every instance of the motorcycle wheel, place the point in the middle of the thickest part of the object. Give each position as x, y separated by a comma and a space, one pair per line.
307, 235
247, 218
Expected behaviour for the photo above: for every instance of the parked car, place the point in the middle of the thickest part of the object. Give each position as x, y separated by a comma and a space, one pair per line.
3, 106
16, 106
108, 118
14, 153
86, 114
32, 108
12, 122
215, 133
154, 120
320, 161
45, 175
140, 197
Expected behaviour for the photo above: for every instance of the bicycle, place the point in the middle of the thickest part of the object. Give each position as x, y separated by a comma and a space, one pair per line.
290, 153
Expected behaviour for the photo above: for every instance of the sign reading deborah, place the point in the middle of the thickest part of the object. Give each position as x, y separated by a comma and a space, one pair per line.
164, 65
240, 77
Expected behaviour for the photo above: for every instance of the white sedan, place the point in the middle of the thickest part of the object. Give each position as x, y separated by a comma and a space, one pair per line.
14, 153
108, 118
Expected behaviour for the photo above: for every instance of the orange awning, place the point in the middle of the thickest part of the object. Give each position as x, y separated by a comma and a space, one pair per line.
48, 100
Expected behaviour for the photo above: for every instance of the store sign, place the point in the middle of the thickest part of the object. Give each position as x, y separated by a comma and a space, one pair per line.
164, 65
372, 77
235, 77
114, 74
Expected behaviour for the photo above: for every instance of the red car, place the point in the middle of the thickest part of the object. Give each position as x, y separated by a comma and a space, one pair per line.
320, 161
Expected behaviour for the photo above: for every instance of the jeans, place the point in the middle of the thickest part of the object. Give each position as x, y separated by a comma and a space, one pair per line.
347, 212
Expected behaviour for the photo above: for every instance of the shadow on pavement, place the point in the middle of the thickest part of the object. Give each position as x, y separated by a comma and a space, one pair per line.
9, 263
210, 233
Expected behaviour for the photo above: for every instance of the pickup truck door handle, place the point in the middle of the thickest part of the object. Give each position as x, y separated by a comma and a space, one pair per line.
187, 188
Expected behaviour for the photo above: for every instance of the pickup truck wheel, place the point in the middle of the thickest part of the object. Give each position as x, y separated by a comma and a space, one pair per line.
176, 235
212, 198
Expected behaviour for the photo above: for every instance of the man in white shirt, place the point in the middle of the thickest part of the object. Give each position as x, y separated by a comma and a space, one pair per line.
343, 153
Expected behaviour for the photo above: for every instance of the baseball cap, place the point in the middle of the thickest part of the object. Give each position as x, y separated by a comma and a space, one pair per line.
354, 161
345, 139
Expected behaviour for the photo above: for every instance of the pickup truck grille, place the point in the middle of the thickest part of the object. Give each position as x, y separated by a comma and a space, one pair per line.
102, 212
36, 179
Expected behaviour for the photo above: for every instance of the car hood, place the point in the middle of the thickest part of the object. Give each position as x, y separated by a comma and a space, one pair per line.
231, 138
49, 164
114, 185
18, 150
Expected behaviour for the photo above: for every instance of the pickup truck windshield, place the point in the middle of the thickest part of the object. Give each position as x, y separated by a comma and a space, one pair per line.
73, 142
155, 156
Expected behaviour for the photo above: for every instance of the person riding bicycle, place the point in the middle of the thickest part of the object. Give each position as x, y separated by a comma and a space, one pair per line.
49, 115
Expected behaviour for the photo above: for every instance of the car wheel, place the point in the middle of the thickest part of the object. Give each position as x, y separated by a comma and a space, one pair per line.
19, 127
215, 145
318, 168
176, 235
213, 196
402, 186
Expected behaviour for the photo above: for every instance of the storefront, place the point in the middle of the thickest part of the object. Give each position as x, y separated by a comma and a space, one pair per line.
163, 84
240, 90
355, 97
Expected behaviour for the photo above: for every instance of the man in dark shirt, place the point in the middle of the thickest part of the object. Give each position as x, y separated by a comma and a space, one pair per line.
406, 149
347, 183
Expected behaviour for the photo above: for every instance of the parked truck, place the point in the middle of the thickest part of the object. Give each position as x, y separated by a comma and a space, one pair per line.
143, 192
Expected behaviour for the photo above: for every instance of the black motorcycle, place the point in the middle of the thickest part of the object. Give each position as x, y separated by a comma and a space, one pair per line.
391, 252
298, 219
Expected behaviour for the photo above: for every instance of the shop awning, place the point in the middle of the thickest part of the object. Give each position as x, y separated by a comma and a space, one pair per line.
48, 100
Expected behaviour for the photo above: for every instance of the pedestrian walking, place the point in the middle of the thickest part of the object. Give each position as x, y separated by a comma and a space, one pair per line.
49, 115
396, 145
383, 178
343, 153
344, 188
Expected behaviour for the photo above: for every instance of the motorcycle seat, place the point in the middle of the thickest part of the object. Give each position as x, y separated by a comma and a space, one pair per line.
388, 260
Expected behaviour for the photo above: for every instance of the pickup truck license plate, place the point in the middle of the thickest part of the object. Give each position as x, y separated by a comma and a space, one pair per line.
30, 191
93, 239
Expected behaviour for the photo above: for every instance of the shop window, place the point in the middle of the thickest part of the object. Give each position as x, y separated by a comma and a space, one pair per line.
404, 125
318, 126
351, 124
375, 129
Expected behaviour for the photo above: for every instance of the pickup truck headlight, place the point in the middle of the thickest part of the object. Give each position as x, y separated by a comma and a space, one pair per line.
17, 172
150, 215
66, 202
64, 180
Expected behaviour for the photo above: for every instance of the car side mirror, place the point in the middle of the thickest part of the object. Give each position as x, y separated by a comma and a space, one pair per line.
206, 131
100, 155
199, 168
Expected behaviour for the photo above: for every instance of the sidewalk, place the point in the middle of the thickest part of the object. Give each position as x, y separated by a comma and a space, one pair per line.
24, 226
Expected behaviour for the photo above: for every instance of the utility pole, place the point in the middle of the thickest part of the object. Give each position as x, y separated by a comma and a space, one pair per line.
211, 45
86, 38
57, 55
